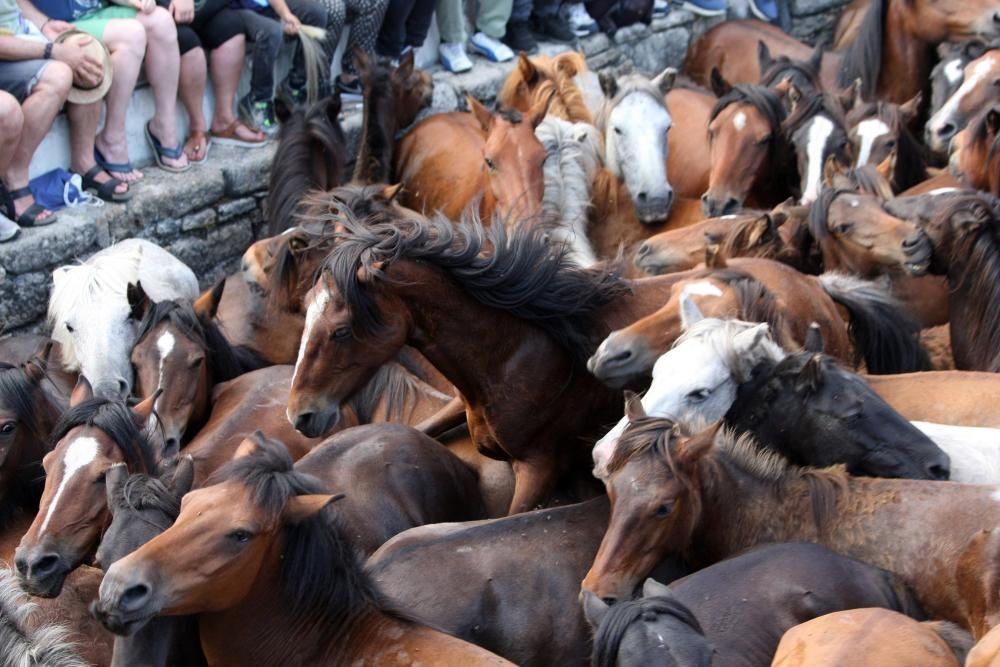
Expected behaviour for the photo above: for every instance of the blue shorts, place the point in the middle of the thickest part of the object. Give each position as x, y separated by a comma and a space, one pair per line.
19, 77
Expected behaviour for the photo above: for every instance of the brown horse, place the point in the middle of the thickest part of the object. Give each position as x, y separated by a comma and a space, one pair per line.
536, 78
980, 89
964, 249
868, 637
276, 580
449, 160
880, 133
962, 398
976, 158
711, 496
532, 311
986, 652
91, 437
393, 98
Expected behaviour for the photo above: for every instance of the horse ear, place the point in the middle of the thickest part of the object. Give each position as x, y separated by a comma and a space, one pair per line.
651, 588
689, 451
762, 229
537, 113
633, 406
250, 445
665, 80
814, 339
811, 375
300, 508
481, 113
407, 64
333, 107
816, 58
751, 338
764, 59
719, 85
81, 392
714, 257
609, 84
529, 73
183, 478
114, 482
368, 273
144, 408
390, 192
594, 609
207, 305
910, 110
138, 301
850, 97
690, 313
37, 366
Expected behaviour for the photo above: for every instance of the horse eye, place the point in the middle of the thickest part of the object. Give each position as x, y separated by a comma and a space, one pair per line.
342, 333
240, 536
195, 363
491, 165
996, 82
664, 510
699, 394
764, 140
8, 428
617, 130
843, 228
69, 327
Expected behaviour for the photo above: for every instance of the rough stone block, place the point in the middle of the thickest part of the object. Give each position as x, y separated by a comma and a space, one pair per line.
675, 19
810, 7
611, 58
482, 81
199, 220
73, 235
594, 44
230, 209
175, 195
244, 171
168, 228
632, 33
658, 51
23, 299
203, 250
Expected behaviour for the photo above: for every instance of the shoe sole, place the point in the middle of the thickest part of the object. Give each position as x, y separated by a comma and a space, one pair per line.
487, 54
759, 14
701, 11
457, 71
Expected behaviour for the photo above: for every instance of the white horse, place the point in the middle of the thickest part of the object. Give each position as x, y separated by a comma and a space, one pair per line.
90, 314
695, 384
634, 120
572, 158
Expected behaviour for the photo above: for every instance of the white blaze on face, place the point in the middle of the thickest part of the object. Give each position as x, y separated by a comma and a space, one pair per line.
868, 131
80, 453
701, 288
947, 113
953, 71
164, 345
819, 132
941, 191
739, 121
313, 313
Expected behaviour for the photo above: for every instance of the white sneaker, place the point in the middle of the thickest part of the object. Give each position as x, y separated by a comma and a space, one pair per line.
661, 7
580, 22
492, 48
8, 229
454, 58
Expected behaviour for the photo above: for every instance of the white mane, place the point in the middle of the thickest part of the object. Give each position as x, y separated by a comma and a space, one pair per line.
573, 155
25, 640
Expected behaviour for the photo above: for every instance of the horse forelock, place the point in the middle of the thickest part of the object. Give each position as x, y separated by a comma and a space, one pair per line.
26, 637
143, 492
644, 436
615, 625
783, 67
117, 421
628, 85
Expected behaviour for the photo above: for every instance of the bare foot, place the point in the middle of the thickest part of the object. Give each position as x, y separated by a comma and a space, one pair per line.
117, 153
196, 147
24, 203
168, 140
243, 133
101, 177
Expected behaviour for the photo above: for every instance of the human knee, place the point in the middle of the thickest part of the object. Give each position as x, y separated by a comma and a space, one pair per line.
128, 35
56, 79
160, 27
11, 116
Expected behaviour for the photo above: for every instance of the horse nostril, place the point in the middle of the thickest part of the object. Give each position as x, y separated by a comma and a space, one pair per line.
621, 358
996, 17
45, 565
732, 205
939, 472
304, 421
610, 600
134, 597
171, 445
947, 130
21, 565
641, 197
643, 250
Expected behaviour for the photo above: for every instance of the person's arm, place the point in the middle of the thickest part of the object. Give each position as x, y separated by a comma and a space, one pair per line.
51, 28
291, 21
16, 48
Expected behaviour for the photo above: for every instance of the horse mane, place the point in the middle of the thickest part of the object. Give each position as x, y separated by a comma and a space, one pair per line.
627, 85
26, 636
813, 105
517, 271
285, 278
820, 211
393, 384
145, 492
225, 361
115, 419
980, 133
26, 488
325, 585
291, 168
81, 285
864, 180
17, 392
619, 617
378, 129
799, 71
557, 74
720, 333
911, 165
736, 243
974, 269
757, 302
863, 57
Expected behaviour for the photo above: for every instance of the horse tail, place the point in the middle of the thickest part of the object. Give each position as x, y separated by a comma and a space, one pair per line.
313, 55
25, 639
886, 337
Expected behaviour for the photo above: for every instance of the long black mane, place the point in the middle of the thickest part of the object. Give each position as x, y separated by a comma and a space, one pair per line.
378, 131
16, 392
303, 135
803, 73
115, 419
516, 271
225, 362
863, 57
619, 617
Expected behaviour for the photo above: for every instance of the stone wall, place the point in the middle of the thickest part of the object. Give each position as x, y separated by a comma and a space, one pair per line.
209, 215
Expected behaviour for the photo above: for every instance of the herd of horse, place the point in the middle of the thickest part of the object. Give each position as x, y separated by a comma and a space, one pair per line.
406, 430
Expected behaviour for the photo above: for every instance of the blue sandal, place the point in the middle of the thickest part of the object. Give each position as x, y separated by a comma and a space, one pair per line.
117, 167
160, 151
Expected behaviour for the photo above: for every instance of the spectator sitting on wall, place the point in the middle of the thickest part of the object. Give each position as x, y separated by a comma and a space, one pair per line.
404, 28
529, 18
365, 18
491, 24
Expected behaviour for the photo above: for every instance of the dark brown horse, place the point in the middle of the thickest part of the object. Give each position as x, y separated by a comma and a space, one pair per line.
965, 250
976, 156
709, 497
536, 314
274, 577
880, 133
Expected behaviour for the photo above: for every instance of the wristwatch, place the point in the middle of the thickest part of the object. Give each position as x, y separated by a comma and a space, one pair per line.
48, 51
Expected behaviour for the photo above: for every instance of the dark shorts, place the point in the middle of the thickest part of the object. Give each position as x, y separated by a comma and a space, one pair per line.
18, 77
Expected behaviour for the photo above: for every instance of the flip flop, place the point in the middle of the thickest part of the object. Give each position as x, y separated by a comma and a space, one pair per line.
231, 137
199, 138
30, 216
106, 190
160, 151
119, 167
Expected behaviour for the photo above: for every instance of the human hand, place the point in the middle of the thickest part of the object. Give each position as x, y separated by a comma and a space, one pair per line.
87, 68
291, 24
182, 10
54, 28
144, 6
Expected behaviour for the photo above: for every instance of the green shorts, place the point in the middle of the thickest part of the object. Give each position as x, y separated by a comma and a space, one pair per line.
96, 21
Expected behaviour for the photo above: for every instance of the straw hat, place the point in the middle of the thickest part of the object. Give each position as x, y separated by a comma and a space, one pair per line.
79, 94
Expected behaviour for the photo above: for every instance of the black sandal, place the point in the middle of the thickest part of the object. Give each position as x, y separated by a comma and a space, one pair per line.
30, 216
105, 190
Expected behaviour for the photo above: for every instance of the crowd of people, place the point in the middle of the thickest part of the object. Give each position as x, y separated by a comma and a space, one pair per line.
85, 56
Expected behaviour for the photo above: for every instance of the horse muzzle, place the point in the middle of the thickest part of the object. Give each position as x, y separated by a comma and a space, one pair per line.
656, 260
314, 423
919, 252
617, 361
127, 600
716, 207
653, 209
42, 573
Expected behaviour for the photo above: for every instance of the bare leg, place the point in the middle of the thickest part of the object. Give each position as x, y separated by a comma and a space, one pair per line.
126, 39
192, 93
39, 111
163, 67
11, 122
83, 121
227, 65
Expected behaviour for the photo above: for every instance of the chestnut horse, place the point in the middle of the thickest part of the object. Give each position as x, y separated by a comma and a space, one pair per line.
976, 158
449, 160
980, 89
964, 249
880, 132
528, 319
711, 496
260, 550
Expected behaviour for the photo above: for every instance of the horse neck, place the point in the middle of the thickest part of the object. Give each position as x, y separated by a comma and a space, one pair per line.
378, 130
906, 58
